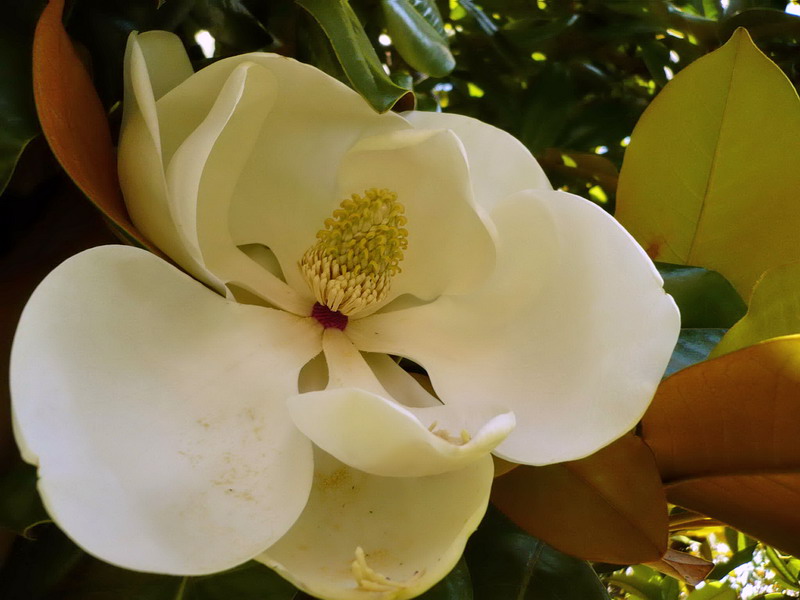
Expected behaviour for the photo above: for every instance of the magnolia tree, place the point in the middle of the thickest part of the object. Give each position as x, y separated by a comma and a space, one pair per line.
403, 298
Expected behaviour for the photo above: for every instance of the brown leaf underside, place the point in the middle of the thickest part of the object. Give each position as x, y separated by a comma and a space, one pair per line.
608, 507
73, 119
725, 437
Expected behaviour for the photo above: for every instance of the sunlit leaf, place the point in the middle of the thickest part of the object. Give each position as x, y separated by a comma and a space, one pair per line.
355, 53
774, 310
609, 507
710, 177
644, 583
725, 436
714, 590
739, 558
74, 121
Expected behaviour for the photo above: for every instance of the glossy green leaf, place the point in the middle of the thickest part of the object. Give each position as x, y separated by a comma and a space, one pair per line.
694, 346
711, 170
505, 562
456, 586
416, 39
705, 298
774, 310
354, 51
18, 123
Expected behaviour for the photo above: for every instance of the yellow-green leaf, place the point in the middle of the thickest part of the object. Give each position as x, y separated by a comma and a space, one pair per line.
774, 310
713, 590
710, 178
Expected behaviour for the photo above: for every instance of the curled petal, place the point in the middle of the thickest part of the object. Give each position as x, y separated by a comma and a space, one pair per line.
380, 538
450, 243
499, 164
155, 410
572, 332
141, 149
199, 185
380, 437
357, 421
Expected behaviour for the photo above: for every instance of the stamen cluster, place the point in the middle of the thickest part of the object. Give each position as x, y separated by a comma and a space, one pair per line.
355, 257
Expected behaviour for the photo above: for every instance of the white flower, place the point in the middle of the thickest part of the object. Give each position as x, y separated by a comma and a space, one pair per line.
172, 423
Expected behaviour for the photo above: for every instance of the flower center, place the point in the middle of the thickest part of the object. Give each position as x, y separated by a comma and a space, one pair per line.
358, 252
329, 318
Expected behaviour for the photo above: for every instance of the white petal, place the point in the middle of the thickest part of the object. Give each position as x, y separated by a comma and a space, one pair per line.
499, 164
285, 189
373, 433
380, 437
156, 410
572, 333
200, 188
168, 64
412, 530
140, 164
450, 247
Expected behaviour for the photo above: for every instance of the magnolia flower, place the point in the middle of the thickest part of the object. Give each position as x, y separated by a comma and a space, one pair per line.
256, 409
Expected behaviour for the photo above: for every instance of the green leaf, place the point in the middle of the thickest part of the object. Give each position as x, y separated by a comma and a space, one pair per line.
711, 169
713, 590
355, 53
97, 580
547, 108
694, 346
774, 310
644, 583
743, 556
786, 568
18, 122
456, 586
705, 298
656, 57
505, 562
20, 506
416, 39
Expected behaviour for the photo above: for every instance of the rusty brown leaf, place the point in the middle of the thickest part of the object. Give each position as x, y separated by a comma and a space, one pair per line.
608, 507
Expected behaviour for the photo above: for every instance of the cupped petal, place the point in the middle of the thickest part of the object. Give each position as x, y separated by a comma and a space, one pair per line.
572, 332
450, 243
155, 410
357, 421
140, 157
499, 164
281, 193
199, 185
403, 534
